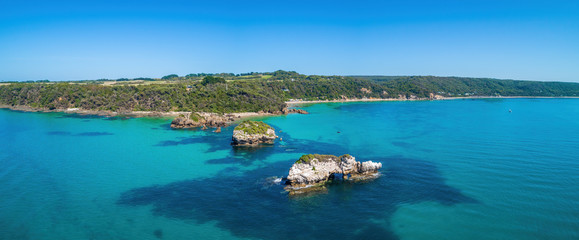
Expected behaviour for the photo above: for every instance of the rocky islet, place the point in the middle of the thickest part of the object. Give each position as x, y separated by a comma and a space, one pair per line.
315, 169
311, 172
251, 133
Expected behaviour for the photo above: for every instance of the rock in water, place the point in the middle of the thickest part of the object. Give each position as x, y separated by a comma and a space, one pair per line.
293, 110
300, 111
218, 130
185, 122
201, 120
316, 169
252, 133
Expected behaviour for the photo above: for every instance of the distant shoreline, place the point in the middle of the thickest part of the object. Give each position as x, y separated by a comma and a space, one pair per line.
106, 113
417, 99
242, 115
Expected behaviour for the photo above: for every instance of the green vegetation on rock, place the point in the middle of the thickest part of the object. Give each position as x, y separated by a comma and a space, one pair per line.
422, 86
253, 127
195, 117
321, 158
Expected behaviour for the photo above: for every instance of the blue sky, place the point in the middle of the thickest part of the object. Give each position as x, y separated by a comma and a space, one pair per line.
75, 40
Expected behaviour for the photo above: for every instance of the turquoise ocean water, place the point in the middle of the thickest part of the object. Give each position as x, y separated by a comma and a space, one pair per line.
461, 169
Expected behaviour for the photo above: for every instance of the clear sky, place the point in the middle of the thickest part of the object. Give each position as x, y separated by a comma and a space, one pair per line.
75, 40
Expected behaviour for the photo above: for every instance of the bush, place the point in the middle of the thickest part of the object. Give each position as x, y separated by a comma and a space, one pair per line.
212, 80
253, 127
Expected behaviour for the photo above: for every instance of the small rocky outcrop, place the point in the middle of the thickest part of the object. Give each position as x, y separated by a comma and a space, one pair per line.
299, 111
315, 169
183, 121
293, 110
252, 133
204, 120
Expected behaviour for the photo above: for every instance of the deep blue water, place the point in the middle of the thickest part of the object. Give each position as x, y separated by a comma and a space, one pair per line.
461, 169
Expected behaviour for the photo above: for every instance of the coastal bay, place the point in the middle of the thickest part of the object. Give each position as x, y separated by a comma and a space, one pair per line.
451, 169
309, 120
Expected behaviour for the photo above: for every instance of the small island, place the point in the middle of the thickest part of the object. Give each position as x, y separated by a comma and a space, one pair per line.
251, 133
314, 170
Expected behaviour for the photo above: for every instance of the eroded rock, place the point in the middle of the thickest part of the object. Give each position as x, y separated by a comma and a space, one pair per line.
293, 110
316, 169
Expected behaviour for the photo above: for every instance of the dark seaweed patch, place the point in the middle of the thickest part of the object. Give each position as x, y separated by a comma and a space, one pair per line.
59, 133
81, 116
117, 118
158, 233
94, 134
242, 205
402, 144
245, 155
83, 134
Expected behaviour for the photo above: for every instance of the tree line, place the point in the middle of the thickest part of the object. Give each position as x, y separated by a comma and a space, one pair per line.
256, 93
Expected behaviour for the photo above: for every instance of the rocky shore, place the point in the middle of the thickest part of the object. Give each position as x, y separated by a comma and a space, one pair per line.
214, 120
314, 170
104, 113
203, 120
293, 110
250, 133
181, 121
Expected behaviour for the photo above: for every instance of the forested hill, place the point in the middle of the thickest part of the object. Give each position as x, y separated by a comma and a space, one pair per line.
254, 91
461, 86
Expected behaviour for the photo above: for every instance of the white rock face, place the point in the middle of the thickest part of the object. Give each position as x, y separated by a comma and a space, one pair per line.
369, 166
321, 167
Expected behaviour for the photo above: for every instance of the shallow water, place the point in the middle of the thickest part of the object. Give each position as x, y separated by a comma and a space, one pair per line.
461, 169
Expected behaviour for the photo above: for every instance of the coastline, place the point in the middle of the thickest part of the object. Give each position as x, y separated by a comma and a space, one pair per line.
416, 99
243, 115
136, 114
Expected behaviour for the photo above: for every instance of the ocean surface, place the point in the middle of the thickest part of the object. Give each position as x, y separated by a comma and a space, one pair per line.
459, 169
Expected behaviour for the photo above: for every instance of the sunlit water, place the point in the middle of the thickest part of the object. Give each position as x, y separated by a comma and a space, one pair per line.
461, 169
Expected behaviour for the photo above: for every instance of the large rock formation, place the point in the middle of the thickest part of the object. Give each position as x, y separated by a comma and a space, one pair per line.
252, 133
214, 120
316, 169
183, 121
293, 110
193, 120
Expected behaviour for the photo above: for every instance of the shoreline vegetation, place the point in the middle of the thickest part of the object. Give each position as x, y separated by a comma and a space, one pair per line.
245, 115
296, 102
240, 115
255, 94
